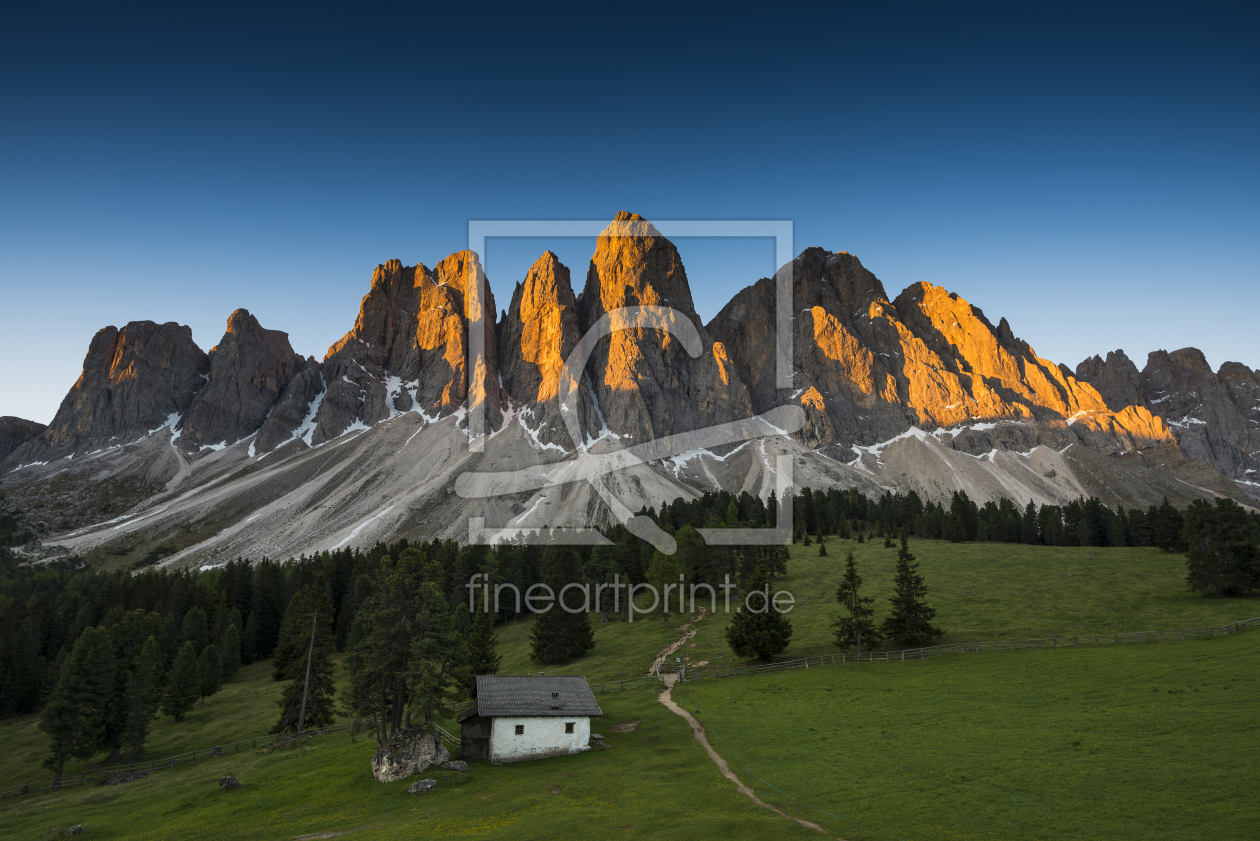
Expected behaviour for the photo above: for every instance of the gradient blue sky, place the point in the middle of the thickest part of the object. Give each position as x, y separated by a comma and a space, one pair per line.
1091, 174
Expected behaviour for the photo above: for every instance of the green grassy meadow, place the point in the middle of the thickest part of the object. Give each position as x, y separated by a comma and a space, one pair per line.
1152, 741
652, 782
1147, 741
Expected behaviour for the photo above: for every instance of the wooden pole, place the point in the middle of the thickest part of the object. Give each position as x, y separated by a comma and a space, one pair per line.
306, 687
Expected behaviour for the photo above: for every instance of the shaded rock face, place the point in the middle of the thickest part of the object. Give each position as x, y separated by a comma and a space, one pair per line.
293, 416
409, 350
646, 384
1215, 416
134, 381
409, 754
536, 337
866, 368
249, 371
14, 432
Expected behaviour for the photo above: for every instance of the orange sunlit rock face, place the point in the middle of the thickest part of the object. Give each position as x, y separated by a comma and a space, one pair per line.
646, 382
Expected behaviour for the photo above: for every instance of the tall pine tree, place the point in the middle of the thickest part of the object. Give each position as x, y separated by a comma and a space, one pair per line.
762, 631
483, 659
209, 672
143, 694
230, 652
558, 635
307, 637
76, 714
858, 629
183, 684
910, 622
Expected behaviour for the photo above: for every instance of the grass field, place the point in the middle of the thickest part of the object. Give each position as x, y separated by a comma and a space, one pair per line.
243, 708
987, 591
1138, 741
1152, 741
981, 591
653, 782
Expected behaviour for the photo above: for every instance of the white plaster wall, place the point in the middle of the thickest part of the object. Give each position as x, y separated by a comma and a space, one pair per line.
544, 736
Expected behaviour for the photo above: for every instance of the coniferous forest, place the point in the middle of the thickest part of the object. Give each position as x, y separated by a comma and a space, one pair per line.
101, 653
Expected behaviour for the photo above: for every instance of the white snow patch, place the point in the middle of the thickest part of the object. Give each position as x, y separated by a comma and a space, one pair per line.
307, 429
363, 525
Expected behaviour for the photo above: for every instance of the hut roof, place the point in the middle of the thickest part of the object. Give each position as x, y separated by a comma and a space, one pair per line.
505, 695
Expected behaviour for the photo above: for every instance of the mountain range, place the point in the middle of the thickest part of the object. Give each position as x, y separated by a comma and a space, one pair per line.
161, 450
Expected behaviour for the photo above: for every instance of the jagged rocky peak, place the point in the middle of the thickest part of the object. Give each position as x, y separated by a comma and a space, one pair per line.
1116, 378
134, 380
14, 432
536, 336
249, 371
646, 383
409, 349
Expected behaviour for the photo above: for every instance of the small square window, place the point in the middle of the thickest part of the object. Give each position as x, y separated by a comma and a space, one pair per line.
520, 729
568, 726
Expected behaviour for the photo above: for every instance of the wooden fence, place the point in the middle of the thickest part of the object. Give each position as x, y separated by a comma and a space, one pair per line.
149, 766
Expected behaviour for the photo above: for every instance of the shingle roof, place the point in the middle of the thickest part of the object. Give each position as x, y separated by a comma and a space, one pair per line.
499, 695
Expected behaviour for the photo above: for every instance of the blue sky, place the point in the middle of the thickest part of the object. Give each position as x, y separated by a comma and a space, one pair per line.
1089, 174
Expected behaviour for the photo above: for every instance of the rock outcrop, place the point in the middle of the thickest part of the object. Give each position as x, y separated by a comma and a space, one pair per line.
867, 368
408, 754
646, 383
14, 432
536, 336
409, 350
250, 369
1215, 416
134, 381
922, 392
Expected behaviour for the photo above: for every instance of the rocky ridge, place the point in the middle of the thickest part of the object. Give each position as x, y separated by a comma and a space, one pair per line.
1214, 416
919, 392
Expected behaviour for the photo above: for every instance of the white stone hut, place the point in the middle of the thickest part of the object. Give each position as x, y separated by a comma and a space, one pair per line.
527, 718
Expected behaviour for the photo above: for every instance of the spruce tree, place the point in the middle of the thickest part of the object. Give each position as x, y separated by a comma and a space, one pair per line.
75, 717
310, 613
249, 640
483, 658
560, 636
858, 629
295, 631
910, 622
183, 684
143, 694
194, 628
1168, 524
209, 672
601, 569
230, 652
405, 658
28, 667
822, 549
1223, 555
762, 634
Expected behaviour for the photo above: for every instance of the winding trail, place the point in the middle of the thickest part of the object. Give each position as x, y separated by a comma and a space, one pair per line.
697, 730
687, 631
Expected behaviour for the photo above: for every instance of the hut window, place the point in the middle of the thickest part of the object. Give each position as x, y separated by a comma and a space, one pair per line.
520, 729
568, 727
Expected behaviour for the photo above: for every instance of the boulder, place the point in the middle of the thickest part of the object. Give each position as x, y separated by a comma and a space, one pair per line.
455, 765
77, 829
229, 782
412, 752
421, 786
